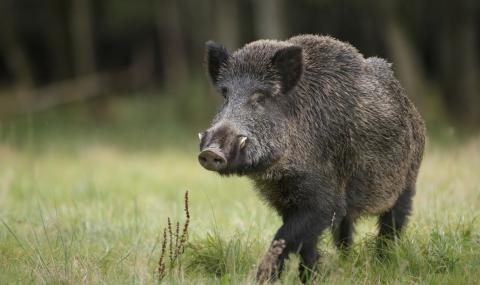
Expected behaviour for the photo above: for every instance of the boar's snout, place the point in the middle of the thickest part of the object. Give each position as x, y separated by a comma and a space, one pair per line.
212, 159
222, 148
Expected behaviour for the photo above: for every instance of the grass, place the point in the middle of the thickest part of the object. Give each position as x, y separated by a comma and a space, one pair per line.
82, 202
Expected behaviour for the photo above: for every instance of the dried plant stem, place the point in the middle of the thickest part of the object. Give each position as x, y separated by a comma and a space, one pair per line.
170, 237
161, 263
176, 244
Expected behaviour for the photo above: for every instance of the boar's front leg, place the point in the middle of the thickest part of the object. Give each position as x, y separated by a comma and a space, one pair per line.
269, 266
298, 234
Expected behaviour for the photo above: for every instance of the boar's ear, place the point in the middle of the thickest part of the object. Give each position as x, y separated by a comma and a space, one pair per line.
216, 55
288, 62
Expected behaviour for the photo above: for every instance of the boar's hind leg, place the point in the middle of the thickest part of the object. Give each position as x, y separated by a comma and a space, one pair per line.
342, 234
392, 222
309, 257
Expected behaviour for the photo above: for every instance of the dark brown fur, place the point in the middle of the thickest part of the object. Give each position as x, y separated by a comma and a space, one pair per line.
334, 137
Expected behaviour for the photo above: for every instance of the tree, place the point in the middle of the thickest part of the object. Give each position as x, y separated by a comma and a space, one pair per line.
268, 19
83, 43
172, 40
458, 57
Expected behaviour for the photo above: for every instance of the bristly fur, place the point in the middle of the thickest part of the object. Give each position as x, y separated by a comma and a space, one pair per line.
336, 138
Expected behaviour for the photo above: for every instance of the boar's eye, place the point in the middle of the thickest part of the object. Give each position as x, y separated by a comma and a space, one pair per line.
224, 91
257, 98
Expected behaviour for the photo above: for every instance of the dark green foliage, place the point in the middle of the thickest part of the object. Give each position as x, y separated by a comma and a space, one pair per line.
217, 255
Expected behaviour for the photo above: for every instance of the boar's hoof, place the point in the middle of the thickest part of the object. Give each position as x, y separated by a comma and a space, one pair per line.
268, 268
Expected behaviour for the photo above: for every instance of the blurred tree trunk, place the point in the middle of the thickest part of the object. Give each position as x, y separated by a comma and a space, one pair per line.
407, 63
459, 61
227, 23
15, 55
84, 64
268, 19
171, 38
200, 29
82, 37
142, 68
57, 41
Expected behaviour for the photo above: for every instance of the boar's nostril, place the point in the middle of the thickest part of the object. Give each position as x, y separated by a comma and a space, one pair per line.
212, 159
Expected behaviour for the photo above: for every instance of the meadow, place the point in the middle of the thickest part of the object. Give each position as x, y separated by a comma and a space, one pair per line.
83, 202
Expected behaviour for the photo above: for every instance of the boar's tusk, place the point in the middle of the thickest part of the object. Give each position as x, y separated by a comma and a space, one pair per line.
200, 136
243, 140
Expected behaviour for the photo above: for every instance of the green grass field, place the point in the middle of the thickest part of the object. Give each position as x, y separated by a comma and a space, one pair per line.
87, 203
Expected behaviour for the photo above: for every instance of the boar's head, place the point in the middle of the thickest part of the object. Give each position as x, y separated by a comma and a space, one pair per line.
250, 132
